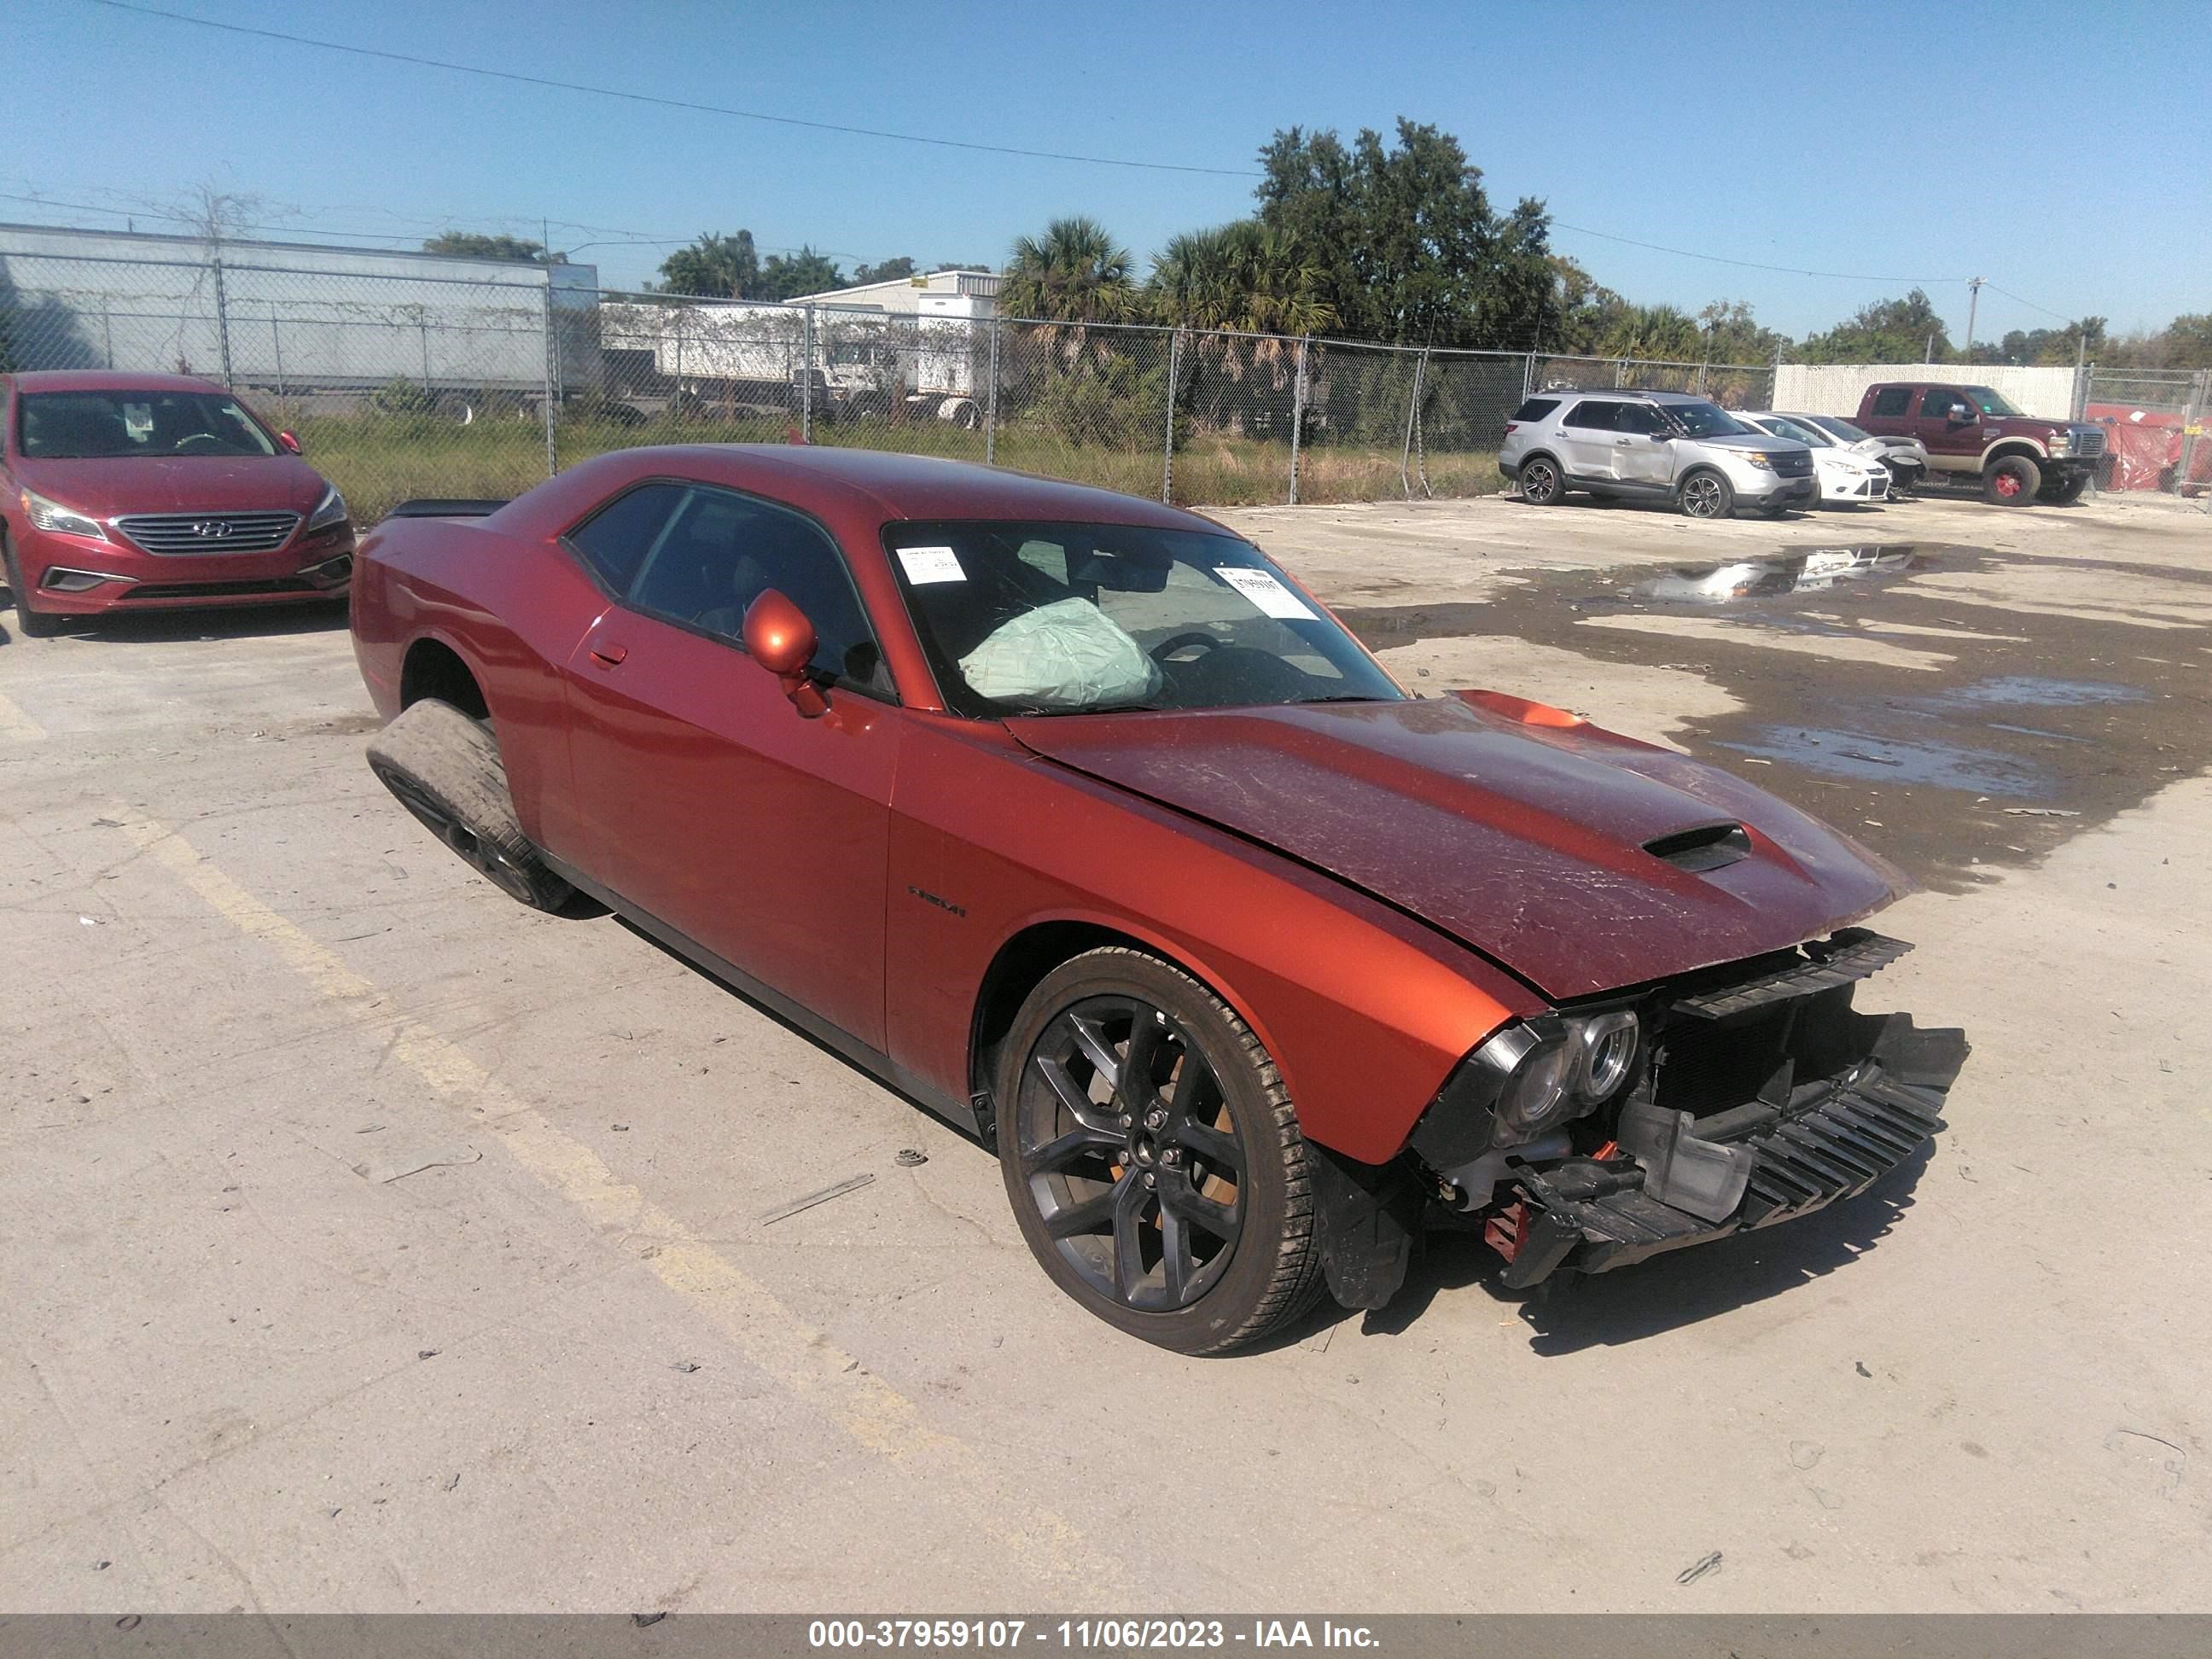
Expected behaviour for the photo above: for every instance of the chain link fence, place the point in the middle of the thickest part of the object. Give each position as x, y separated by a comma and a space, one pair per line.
400, 387
2154, 421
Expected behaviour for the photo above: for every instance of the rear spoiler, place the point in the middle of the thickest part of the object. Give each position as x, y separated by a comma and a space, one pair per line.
444, 506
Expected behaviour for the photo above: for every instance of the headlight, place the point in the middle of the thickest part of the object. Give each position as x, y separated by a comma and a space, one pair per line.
330, 510
1758, 459
1540, 1073
57, 519
2060, 442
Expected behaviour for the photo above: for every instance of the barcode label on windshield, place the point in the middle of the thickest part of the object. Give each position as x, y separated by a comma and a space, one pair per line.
1260, 587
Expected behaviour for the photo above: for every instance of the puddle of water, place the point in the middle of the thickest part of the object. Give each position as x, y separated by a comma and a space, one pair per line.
2031, 691
1810, 571
1842, 754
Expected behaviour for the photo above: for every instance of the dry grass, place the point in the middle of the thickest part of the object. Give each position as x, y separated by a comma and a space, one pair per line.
379, 461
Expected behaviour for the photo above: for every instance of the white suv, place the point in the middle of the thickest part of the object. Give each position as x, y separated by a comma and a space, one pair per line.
1653, 446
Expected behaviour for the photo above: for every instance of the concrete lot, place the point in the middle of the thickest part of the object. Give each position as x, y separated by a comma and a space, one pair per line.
248, 1363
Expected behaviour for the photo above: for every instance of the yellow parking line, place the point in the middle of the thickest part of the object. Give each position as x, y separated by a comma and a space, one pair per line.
801, 1358
16, 725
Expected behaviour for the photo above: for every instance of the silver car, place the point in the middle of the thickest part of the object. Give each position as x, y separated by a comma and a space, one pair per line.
1653, 446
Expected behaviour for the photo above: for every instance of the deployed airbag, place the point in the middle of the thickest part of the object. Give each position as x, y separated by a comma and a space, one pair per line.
1068, 654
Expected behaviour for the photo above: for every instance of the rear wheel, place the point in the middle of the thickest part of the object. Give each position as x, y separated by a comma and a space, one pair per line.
35, 624
1152, 1156
445, 769
2011, 481
1540, 485
1705, 495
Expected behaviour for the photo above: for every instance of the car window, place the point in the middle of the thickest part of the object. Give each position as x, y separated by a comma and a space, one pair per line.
112, 425
615, 540
1535, 408
1935, 403
1990, 401
722, 550
1891, 399
1843, 429
1640, 417
1069, 619
1782, 427
1700, 419
1596, 415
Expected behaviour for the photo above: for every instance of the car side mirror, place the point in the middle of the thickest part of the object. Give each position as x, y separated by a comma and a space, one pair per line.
780, 639
288, 442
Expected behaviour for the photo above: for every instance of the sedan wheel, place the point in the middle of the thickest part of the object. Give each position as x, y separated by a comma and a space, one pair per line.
1152, 1158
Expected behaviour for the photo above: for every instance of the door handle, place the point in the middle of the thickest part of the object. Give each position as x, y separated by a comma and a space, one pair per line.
609, 656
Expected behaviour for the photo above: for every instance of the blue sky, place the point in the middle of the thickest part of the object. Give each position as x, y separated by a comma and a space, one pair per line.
2060, 154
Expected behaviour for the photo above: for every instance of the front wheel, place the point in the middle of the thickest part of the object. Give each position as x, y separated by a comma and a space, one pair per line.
1705, 495
2067, 490
1152, 1156
32, 625
2011, 481
1540, 481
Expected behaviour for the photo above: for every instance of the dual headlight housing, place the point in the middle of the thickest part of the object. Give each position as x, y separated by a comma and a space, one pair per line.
56, 519
1540, 1073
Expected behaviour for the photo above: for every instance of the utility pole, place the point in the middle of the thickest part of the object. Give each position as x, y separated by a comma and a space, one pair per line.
1973, 303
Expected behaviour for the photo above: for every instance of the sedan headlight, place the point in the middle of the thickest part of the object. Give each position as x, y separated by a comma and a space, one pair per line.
1540, 1073
1758, 459
330, 510
58, 520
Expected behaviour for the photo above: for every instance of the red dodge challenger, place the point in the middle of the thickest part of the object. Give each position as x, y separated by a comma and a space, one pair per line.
1078, 821
145, 492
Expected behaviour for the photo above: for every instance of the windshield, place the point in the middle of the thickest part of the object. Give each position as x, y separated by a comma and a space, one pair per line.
1991, 402
1080, 618
1708, 421
1782, 427
1843, 429
77, 426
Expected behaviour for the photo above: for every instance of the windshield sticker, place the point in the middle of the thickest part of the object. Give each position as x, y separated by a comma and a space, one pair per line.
1261, 587
931, 564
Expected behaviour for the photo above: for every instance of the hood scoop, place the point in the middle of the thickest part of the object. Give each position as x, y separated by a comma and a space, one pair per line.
1711, 847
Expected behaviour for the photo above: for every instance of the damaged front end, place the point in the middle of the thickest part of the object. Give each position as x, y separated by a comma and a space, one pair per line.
1730, 1099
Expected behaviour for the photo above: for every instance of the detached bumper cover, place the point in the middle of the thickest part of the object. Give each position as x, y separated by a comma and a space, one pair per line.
1831, 1139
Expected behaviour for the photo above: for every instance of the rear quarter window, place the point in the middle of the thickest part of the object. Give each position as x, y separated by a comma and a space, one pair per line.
1535, 408
1892, 399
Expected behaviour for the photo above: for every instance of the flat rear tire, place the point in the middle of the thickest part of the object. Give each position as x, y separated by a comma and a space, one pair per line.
445, 769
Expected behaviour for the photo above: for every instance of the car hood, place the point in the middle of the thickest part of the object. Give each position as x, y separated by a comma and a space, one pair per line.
1526, 842
182, 483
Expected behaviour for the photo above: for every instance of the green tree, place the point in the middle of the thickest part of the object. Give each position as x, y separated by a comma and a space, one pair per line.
1076, 272
480, 245
803, 272
2050, 347
1886, 331
715, 267
1406, 248
1731, 334
889, 271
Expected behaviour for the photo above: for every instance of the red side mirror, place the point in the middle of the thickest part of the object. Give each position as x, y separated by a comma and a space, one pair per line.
289, 441
781, 640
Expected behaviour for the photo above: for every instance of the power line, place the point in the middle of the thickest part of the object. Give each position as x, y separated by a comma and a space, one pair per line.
2030, 304
668, 103
1715, 258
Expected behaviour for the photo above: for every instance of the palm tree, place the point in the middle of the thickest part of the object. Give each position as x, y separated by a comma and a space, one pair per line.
1246, 277
1072, 275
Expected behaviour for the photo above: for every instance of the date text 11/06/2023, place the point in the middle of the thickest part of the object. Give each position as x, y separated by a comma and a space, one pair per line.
1085, 1634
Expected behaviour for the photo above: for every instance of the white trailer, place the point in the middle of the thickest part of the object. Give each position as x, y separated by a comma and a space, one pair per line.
295, 318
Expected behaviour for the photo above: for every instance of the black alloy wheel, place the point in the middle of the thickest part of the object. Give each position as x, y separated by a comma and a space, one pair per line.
1151, 1155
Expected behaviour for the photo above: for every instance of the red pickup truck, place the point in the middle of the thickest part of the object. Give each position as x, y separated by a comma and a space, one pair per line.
1971, 432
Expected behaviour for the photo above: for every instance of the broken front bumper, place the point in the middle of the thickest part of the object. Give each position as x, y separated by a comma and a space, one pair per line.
1794, 1151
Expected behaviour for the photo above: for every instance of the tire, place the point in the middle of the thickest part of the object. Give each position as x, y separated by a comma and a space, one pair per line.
1704, 495
1089, 1191
2011, 481
2065, 491
445, 769
32, 625
1541, 483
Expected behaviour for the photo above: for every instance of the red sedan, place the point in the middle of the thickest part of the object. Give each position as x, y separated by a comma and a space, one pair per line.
147, 492
1080, 822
